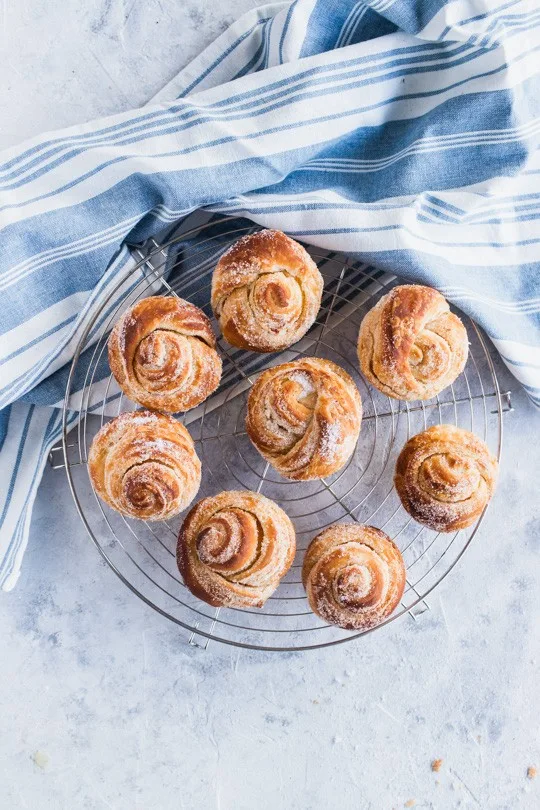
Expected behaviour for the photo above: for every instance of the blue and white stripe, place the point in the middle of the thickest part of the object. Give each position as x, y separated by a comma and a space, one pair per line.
406, 134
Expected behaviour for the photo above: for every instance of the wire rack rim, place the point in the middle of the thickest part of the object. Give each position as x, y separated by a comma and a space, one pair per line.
196, 628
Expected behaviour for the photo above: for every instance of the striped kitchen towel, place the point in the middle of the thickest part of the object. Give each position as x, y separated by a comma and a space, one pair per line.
405, 133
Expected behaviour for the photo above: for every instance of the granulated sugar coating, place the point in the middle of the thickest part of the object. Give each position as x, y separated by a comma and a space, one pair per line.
410, 346
144, 465
445, 476
234, 548
266, 292
304, 418
354, 576
331, 440
162, 353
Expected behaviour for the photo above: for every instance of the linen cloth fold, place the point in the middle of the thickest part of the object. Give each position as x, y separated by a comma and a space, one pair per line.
405, 134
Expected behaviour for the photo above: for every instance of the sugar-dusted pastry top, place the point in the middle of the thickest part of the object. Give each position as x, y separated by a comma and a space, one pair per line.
410, 345
304, 417
234, 548
144, 465
162, 353
266, 292
354, 576
445, 476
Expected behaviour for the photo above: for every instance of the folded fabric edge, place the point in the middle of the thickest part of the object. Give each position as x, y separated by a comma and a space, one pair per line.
31, 432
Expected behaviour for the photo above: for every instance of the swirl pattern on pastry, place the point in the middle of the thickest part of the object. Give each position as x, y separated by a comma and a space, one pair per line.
266, 292
354, 576
445, 476
410, 345
234, 548
162, 353
144, 465
304, 417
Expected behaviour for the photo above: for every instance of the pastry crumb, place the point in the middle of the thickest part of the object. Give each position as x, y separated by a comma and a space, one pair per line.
531, 772
410, 803
40, 759
436, 765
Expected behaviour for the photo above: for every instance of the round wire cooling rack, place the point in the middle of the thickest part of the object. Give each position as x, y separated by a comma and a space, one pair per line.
142, 554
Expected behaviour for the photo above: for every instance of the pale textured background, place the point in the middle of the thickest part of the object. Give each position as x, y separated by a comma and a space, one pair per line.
102, 703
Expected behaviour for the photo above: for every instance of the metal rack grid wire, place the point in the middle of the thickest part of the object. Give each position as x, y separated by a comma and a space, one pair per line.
142, 554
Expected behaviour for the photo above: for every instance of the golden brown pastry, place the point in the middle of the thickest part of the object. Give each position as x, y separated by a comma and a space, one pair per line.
445, 476
354, 576
410, 345
304, 417
162, 353
266, 292
144, 465
234, 548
